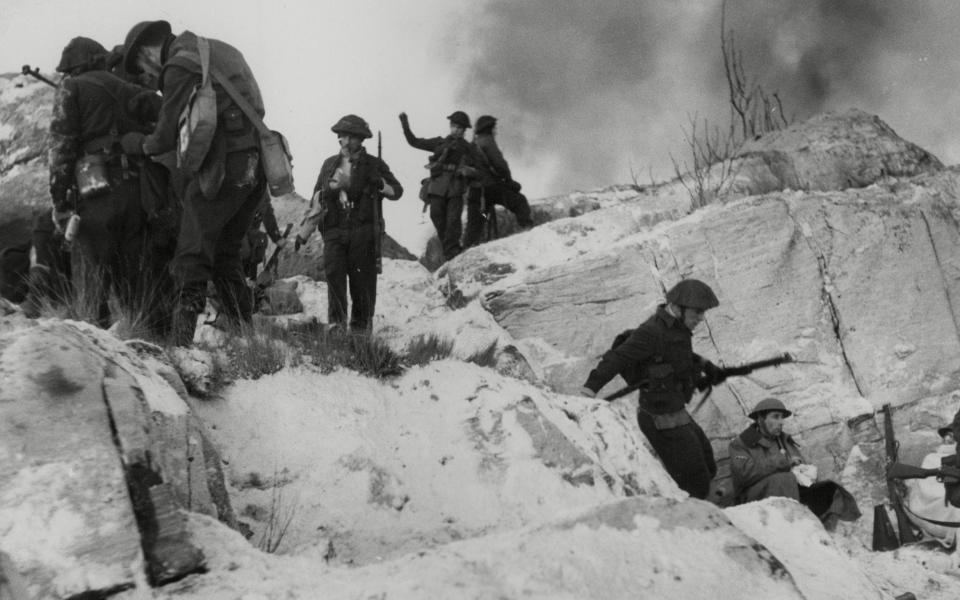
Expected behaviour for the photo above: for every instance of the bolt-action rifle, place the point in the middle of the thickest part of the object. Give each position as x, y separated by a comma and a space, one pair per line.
379, 226
944, 474
706, 383
26, 70
892, 446
269, 272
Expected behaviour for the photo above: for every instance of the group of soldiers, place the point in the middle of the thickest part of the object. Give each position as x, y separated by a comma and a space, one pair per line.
657, 358
154, 234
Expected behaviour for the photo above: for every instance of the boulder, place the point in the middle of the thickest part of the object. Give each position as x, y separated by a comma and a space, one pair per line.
83, 506
831, 151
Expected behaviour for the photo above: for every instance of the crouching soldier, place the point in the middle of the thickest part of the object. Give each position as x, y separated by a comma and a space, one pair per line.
762, 457
347, 206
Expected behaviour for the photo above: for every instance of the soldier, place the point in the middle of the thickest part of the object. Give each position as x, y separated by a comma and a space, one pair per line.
93, 177
659, 352
762, 457
220, 199
347, 203
494, 185
452, 162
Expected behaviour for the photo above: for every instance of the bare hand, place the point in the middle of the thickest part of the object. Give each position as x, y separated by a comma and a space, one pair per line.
585, 391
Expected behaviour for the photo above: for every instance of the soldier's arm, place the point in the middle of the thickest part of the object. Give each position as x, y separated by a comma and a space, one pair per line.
315, 212
65, 143
638, 348
178, 84
428, 144
392, 190
747, 468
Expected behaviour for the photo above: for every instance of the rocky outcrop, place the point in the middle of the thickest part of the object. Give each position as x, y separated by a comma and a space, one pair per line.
25, 111
100, 457
859, 285
832, 151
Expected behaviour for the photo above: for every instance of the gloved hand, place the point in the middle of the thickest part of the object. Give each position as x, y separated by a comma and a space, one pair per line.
132, 143
403, 118
714, 374
299, 241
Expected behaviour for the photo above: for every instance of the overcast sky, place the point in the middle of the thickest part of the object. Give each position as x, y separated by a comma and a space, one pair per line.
585, 92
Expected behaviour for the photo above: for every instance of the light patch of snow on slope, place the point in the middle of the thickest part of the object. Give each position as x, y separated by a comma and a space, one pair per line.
379, 469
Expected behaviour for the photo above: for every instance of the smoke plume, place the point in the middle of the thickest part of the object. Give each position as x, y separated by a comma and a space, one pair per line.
592, 93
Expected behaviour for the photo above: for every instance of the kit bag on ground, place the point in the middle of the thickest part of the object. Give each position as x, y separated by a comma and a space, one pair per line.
198, 121
274, 153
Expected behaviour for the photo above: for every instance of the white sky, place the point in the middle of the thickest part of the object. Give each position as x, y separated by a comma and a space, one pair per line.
315, 61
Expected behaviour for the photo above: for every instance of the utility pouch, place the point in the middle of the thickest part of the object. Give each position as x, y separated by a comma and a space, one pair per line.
198, 121
92, 175
424, 188
276, 162
233, 120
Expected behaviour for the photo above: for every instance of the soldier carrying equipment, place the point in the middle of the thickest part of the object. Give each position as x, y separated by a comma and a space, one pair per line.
884, 537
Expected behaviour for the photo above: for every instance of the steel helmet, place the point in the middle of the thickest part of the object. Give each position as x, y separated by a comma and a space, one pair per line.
485, 123
693, 293
460, 118
80, 52
141, 33
352, 125
766, 405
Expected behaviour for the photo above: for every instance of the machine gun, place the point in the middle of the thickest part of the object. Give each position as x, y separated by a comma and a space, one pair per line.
26, 70
705, 383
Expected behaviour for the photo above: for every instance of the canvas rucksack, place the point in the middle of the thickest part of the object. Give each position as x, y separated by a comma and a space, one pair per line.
198, 121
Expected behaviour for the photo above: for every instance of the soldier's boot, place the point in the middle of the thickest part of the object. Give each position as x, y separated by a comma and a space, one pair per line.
190, 304
237, 299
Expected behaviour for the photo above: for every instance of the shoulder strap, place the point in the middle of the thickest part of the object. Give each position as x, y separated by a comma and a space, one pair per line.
240, 101
203, 49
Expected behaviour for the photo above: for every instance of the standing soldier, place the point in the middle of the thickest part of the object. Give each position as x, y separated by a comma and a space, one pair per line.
92, 176
452, 161
659, 352
220, 199
347, 204
494, 185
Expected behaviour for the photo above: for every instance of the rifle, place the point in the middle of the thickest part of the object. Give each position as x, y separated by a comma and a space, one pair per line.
705, 383
944, 474
892, 447
36, 73
264, 279
378, 224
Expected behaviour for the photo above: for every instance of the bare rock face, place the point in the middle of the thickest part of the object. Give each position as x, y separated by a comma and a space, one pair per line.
832, 151
25, 110
861, 286
100, 457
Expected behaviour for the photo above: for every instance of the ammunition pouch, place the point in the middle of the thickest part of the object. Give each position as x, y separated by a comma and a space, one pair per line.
92, 175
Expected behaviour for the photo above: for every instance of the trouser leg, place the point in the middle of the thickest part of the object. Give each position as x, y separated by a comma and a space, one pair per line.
475, 218
682, 453
362, 274
335, 268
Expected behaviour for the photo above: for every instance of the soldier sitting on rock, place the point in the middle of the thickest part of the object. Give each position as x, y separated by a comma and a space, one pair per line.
763, 457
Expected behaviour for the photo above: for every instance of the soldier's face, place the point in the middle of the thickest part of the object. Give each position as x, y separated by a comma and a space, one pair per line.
771, 423
456, 130
350, 143
148, 59
692, 317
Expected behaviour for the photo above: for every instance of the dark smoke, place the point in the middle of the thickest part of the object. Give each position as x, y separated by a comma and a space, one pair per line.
588, 91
